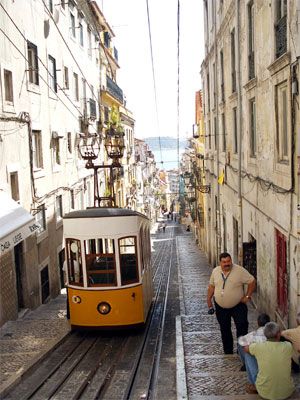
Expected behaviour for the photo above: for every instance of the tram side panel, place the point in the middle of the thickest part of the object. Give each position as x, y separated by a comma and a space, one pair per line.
126, 307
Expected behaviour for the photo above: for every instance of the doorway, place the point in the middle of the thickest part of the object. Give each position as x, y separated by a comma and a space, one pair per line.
61, 259
19, 267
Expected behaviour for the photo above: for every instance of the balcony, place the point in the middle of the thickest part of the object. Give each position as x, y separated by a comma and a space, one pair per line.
280, 36
114, 89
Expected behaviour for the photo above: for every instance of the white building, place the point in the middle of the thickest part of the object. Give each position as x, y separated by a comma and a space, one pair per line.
251, 95
48, 97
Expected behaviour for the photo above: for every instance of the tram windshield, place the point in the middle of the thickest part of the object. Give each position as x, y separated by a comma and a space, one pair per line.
100, 262
74, 262
128, 260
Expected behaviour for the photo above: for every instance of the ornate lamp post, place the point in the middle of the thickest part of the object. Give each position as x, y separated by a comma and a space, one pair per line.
89, 148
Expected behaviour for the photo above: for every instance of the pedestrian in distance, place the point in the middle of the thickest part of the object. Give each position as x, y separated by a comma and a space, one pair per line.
164, 227
274, 380
227, 287
249, 361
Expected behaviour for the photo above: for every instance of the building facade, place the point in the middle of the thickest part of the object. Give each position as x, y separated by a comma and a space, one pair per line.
250, 78
50, 86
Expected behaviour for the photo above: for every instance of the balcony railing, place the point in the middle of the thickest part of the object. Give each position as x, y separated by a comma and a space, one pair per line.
114, 89
280, 35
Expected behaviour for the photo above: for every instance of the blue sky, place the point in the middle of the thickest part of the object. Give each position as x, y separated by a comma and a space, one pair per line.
128, 20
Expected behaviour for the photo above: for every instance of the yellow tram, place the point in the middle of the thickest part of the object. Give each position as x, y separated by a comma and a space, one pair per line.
108, 258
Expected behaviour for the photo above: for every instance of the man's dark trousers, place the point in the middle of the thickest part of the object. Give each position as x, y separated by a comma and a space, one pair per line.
239, 314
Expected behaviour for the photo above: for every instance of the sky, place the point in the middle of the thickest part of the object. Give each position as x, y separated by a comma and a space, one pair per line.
129, 21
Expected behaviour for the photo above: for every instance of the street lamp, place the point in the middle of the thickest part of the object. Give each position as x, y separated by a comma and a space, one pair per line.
89, 149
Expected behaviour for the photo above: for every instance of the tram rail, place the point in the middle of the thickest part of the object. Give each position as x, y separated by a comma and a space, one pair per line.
89, 365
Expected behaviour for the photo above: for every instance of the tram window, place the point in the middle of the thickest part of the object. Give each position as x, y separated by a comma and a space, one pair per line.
74, 261
128, 260
100, 262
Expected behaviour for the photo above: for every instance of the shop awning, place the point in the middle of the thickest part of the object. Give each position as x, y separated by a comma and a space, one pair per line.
16, 224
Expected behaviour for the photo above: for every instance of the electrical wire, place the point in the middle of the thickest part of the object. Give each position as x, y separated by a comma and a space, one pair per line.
42, 78
70, 51
153, 78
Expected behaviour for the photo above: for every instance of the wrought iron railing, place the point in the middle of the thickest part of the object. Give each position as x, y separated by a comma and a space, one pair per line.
114, 89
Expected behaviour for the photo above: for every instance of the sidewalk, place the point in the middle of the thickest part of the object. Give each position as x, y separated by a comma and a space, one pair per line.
209, 374
27, 340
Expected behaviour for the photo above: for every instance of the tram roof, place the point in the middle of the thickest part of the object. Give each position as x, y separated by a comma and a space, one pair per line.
102, 212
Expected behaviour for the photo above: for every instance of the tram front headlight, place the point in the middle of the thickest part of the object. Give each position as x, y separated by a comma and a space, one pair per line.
103, 308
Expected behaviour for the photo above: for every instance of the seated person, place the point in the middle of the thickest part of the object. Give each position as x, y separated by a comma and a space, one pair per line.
256, 336
274, 380
293, 336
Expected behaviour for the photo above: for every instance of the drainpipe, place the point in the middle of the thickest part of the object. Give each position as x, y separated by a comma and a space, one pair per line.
239, 127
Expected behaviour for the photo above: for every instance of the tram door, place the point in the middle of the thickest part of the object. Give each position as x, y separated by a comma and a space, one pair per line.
19, 265
61, 259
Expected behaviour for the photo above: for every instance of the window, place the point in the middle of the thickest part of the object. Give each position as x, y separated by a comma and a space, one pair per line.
224, 229
224, 131
69, 142
76, 87
208, 92
100, 262
56, 151
59, 207
128, 260
233, 73
80, 34
252, 127
8, 86
74, 262
281, 27
33, 63
37, 149
45, 284
50, 6
52, 73
14, 186
72, 199
214, 85
222, 75
66, 78
235, 137
40, 217
89, 33
209, 135
235, 240
251, 45
282, 121
72, 27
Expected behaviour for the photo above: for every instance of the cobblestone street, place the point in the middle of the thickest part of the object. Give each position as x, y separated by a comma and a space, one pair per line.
209, 373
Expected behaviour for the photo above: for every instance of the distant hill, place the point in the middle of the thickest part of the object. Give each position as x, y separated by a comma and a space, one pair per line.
166, 142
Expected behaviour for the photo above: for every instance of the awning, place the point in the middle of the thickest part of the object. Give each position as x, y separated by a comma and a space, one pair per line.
16, 224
